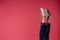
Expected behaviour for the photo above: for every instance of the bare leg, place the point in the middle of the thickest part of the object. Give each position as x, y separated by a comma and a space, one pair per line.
44, 19
48, 19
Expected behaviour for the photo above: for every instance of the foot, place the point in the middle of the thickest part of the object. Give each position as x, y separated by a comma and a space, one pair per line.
48, 14
43, 11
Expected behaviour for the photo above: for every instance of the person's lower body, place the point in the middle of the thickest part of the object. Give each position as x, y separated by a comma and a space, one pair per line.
44, 31
45, 26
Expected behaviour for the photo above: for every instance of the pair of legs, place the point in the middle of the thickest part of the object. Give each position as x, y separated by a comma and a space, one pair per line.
45, 25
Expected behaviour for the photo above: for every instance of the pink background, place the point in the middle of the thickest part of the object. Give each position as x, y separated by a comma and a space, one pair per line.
20, 19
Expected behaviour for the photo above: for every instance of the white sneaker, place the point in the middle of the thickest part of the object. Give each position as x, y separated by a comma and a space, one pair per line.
43, 11
47, 12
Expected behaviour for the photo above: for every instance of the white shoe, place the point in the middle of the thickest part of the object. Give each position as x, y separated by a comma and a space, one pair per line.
43, 11
47, 12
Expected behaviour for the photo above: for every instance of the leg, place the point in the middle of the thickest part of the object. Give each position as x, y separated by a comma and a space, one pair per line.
42, 28
47, 30
45, 25
42, 31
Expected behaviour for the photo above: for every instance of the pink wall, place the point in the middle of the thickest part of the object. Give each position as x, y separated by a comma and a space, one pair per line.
20, 20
